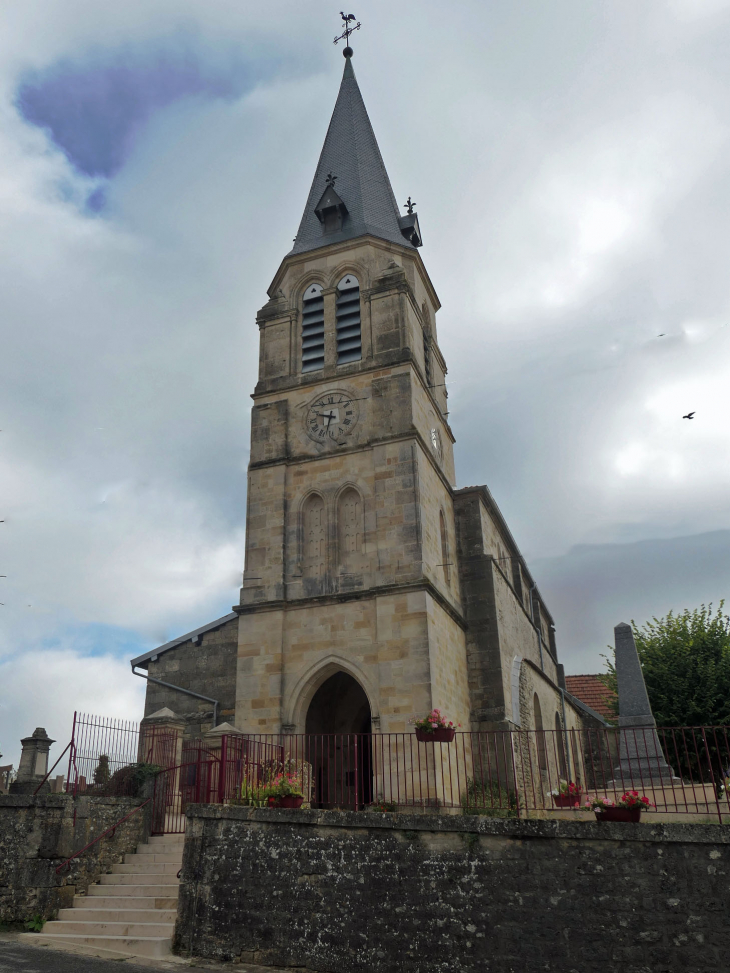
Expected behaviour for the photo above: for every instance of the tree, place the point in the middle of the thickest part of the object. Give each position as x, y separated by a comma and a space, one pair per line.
685, 659
101, 774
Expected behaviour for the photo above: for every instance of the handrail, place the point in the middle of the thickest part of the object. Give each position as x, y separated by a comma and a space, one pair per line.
112, 829
52, 769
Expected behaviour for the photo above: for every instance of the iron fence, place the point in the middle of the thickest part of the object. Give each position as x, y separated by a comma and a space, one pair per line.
681, 770
501, 774
108, 757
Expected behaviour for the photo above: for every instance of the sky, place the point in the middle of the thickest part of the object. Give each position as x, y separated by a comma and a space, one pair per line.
570, 166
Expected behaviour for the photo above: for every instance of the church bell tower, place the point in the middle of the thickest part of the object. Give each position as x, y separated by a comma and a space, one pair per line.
350, 579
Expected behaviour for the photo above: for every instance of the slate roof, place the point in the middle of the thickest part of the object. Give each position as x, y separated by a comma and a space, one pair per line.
143, 660
351, 153
592, 690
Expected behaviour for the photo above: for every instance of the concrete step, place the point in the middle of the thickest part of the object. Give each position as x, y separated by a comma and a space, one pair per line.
144, 930
165, 839
124, 946
168, 890
139, 859
147, 868
137, 878
126, 902
130, 912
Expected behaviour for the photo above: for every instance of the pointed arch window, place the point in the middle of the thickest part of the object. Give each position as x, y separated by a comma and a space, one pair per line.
315, 536
350, 525
539, 734
562, 765
349, 337
313, 329
444, 548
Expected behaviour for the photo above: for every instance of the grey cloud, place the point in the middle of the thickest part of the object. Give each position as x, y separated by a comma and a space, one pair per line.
595, 586
571, 171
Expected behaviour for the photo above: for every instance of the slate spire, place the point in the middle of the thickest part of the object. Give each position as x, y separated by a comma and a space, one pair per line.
363, 201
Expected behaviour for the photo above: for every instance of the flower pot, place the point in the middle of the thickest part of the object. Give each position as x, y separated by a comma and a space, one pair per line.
287, 800
632, 814
566, 800
442, 734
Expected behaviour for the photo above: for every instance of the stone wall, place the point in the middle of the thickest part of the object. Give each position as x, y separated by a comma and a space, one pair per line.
208, 668
382, 893
38, 833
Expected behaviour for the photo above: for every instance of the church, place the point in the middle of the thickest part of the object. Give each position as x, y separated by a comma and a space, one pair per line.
373, 588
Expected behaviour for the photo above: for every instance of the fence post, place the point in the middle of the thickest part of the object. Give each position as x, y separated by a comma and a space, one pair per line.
72, 752
712, 775
222, 769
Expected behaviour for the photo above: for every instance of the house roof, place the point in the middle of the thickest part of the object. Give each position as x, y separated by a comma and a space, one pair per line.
593, 691
350, 153
143, 660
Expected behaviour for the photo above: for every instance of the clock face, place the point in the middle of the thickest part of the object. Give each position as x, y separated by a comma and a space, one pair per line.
331, 417
436, 442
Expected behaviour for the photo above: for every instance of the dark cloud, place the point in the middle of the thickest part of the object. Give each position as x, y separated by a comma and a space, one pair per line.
95, 106
595, 586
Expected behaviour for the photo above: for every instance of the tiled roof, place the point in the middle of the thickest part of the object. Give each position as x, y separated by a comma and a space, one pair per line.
593, 691
350, 152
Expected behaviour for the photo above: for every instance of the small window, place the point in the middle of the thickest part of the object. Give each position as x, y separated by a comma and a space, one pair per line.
349, 339
562, 766
313, 329
444, 548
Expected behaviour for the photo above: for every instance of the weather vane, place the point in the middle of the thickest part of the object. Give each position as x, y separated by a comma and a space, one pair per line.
345, 35
409, 204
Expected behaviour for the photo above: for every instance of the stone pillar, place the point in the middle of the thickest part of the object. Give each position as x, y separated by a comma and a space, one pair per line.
161, 739
33, 765
640, 754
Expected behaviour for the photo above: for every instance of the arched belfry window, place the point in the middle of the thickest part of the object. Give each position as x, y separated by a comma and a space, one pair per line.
444, 548
314, 525
350, 526
313, 329
349, 338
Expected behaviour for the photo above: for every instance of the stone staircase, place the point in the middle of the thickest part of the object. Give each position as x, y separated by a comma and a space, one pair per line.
131, 912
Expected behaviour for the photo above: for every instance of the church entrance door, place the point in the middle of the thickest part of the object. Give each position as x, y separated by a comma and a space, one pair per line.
339, 747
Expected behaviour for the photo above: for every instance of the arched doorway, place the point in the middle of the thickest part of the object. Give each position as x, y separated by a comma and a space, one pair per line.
338, 727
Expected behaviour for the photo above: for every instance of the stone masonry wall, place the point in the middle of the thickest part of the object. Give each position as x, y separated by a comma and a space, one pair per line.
381, 893
208, 668
38, 833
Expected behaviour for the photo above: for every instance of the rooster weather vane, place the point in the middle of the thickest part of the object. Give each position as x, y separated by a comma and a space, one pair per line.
347, 19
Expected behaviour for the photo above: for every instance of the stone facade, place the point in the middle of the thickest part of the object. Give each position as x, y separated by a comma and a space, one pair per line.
400, 893
38, 833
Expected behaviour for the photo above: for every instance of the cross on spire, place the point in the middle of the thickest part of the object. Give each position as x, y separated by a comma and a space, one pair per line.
350, 27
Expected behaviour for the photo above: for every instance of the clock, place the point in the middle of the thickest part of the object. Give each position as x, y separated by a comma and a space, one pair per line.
436, 443
331, 417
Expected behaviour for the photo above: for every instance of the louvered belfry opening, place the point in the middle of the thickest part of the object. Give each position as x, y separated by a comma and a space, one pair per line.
313, 329
349, 338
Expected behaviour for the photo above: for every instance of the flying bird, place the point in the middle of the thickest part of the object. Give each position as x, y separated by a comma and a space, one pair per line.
690, 415
662, 335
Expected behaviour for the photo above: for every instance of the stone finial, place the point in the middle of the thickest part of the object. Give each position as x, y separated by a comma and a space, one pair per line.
33, 765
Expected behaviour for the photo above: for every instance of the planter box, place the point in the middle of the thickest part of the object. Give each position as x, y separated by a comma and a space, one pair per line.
289, 800
441, 735
566, 800
632, 814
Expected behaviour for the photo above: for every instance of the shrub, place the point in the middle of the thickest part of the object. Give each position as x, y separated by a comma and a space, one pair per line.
489, 798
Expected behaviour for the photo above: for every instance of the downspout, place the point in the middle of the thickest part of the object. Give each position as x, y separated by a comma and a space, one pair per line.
188, 692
